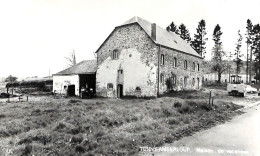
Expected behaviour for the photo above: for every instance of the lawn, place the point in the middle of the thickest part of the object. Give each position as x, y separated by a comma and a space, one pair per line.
72, 126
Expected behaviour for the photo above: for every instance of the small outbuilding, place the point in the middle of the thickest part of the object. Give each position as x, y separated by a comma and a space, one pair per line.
76, 77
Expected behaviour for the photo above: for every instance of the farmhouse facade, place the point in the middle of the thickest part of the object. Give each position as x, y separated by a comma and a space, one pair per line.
142, 59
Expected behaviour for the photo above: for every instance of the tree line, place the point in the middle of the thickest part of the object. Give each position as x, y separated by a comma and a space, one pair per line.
220, 58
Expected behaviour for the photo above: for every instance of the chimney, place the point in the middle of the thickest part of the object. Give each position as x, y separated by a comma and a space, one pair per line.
153, 35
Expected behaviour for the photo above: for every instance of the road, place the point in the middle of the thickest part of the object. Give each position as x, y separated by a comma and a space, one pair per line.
240, 136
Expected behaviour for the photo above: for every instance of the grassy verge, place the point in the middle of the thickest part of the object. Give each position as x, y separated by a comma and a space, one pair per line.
104, 126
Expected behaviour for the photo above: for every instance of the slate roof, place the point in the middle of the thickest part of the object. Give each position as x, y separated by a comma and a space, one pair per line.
163, 37
83, 67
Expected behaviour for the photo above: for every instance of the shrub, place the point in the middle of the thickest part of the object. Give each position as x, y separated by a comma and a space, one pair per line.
27, 150
185, 109
177, 104
173, 121
76, 139
80, 149
206, 106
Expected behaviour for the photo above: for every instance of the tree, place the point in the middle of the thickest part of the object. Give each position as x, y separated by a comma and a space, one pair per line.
199, 42
71, 59
219, 65
184, 33
256, 48
238, 60
249, 35
173, 28
11, 79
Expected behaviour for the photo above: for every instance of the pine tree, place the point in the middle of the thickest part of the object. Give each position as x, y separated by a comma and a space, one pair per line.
256, 49
199, 42
219, 65
173, 28
238, 54
184, 33
249, 35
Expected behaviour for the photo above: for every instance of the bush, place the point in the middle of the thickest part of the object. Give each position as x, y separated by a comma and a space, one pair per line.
76, 139
185, 109
177, 105
173, 121
206, 106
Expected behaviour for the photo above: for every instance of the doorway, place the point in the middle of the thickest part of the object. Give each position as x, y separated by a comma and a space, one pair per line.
71, 90
119, 91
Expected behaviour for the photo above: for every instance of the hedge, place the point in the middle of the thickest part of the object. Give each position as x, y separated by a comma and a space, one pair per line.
34, 84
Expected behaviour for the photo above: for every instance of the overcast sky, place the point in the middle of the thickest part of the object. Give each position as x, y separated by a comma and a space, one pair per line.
36, 35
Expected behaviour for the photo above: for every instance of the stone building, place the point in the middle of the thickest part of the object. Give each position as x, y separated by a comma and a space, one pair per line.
75, 77
142, 59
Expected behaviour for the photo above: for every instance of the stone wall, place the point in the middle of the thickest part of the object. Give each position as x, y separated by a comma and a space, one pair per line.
59, 81
168, 69
137, 57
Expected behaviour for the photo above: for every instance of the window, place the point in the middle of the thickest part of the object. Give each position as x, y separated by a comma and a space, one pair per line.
162, 59
193, 82
193, 66
137, 89
174, 79
198, 66
185, 64
110, 86
115, 54
162, 78
185, 81
174, 62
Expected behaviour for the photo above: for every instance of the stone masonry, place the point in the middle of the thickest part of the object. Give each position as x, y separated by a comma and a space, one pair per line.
138, 58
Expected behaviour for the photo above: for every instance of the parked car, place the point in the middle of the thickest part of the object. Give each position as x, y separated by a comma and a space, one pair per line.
86, 93
237, 89
240, 89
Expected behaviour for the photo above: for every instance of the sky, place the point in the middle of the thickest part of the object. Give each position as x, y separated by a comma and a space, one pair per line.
37, 35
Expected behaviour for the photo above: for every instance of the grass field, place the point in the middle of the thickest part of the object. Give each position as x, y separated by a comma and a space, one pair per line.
73, 126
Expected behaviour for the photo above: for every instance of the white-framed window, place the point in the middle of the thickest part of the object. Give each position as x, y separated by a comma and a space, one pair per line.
193, 66
198, 67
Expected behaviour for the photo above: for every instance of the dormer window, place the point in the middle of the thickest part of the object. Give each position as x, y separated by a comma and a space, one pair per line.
115, 54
